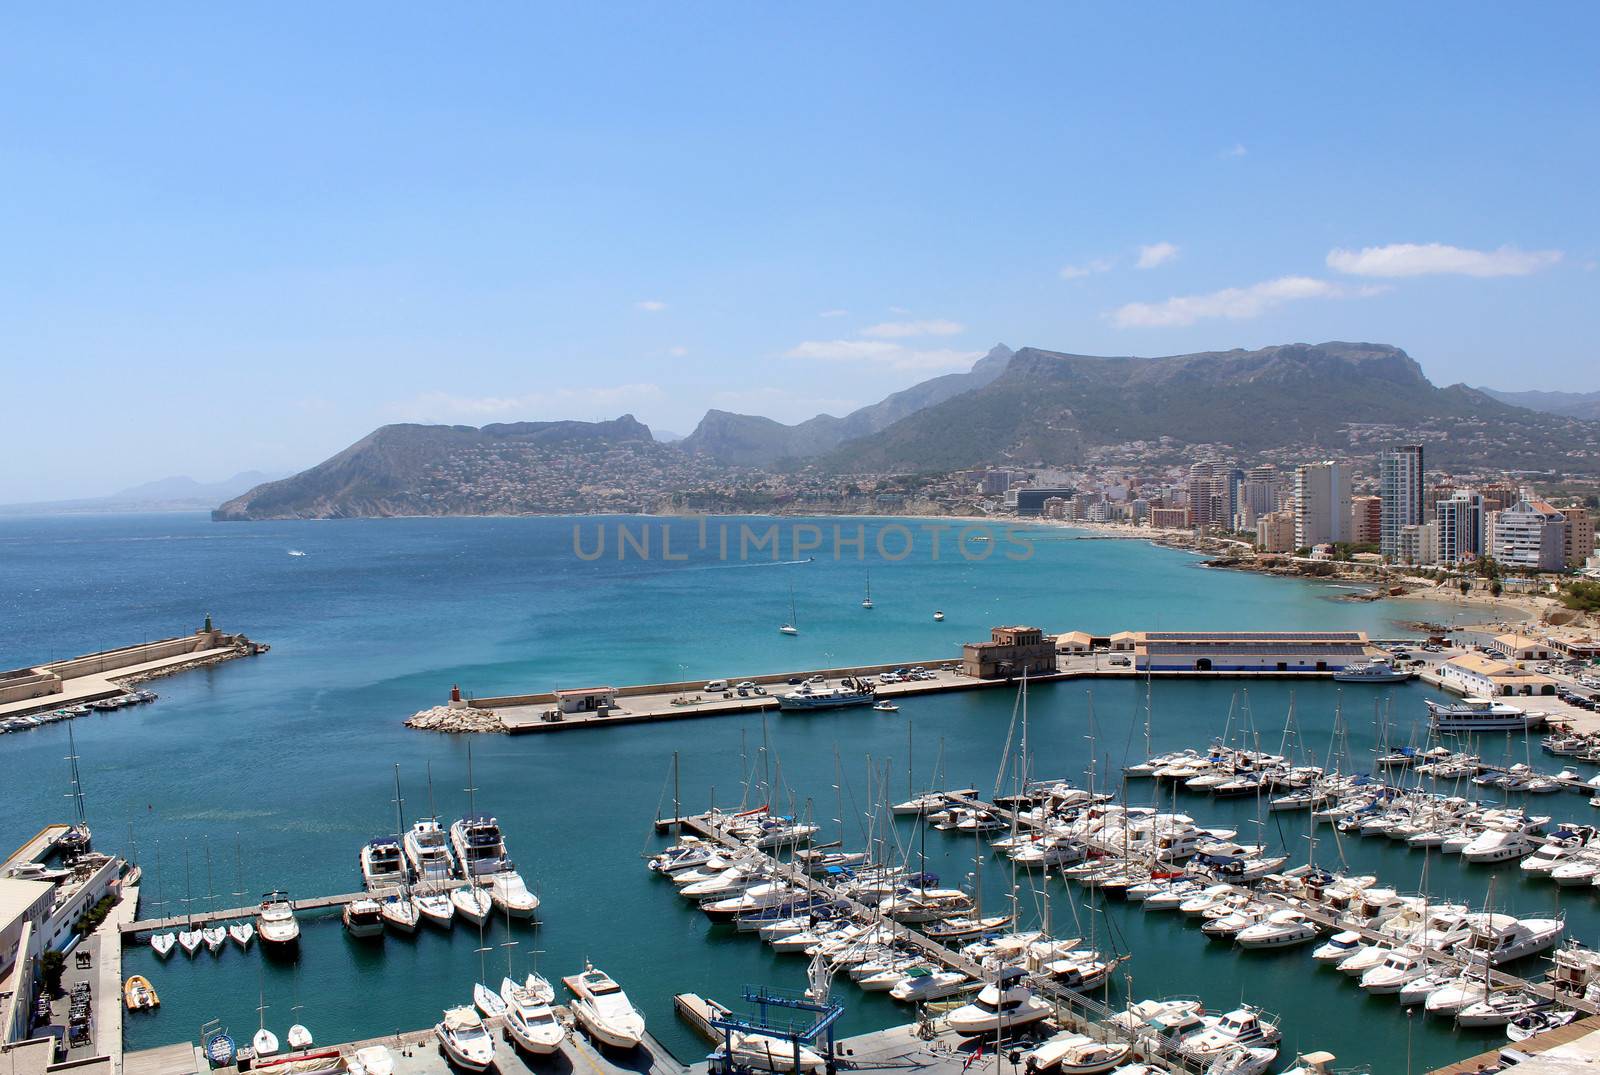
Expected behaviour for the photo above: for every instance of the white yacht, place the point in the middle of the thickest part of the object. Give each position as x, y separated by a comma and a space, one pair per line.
1280, 929
1373, 671
1399, 967
275, 922
511, 895
1240, 1027
373, 1060
383, 865
363, 918
1004, 1004
1500, 938
427, 849
299, 1037
479, 846
923, 983
603, 1009
1497, 1009
1500, 844
763, 1052
265, 1043
1480, 715
465, 1040
529, 1019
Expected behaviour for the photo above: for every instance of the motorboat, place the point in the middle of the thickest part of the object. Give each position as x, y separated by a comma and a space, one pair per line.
1338, 948
1280, 929
275, 921
1073, 1052
363, 918
1240, 1027
1418, 989
938, 616
400, 913
434, 908
427, 850
1003, 1005
1451, 997
472, 903
242, 933
373, 1060
916, 905
264, 1043
1399, 967
214, 937
479, 846
1481, 715
1524, 1026
806, 697
1499, 845
529, 1019
924, 982
466, 1042
1501, 938
1244, 1060
383, 864
511, 895
162, 943
299, 1037
766, 1052
138, 994
1373, 671
883, 705
604, 1010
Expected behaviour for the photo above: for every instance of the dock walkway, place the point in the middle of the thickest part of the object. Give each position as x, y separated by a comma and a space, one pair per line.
313, 903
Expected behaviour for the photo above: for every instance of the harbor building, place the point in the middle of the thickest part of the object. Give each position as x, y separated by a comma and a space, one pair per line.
1248, 651
1400, 486
1010, 651
1478, 676
1522, 648
1321, 504
1531, 534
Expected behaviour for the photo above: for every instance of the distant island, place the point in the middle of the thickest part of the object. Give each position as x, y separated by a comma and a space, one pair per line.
180, 493
1028, 408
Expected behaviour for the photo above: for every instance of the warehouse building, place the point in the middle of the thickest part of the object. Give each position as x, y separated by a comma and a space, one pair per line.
1248, 651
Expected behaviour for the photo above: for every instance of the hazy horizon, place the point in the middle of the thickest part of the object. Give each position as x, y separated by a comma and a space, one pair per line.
241, 240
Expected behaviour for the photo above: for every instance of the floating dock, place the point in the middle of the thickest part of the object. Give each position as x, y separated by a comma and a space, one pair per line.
314, 903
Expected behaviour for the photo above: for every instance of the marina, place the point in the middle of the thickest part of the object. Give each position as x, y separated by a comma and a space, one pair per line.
583, 863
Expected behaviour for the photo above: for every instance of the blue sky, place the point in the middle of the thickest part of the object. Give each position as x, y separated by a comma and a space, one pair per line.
242, 236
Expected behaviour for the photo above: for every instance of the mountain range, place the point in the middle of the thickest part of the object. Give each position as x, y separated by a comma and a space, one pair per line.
1585, 405
1030, 406
181, 493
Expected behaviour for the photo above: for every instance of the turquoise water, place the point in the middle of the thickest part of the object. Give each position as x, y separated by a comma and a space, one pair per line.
290, 756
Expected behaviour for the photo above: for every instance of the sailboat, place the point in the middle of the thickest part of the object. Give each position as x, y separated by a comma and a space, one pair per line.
189, 939
214, 936
241, 932
265, 1042
790, 628
77, 839
487, 1000
298, 1037
866, 602
162, 943
400, 911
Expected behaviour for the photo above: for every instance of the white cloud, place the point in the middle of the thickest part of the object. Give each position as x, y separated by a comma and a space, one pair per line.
899, 310
650, 306
547, 405
1232, 303
1088, 268
1427, 259
1238, 150
901, 329
677, 352
880, 352
1156, 254
834, 313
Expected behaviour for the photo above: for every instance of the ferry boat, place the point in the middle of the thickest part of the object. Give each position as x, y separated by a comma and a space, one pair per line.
1376, 671
480, 849
848, 693
1480, 715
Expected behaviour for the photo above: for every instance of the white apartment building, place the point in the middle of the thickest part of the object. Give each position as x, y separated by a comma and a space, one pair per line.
1531, 534
1400, 486
1321, 504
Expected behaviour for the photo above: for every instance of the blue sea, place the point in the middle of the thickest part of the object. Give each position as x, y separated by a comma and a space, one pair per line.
271, 772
